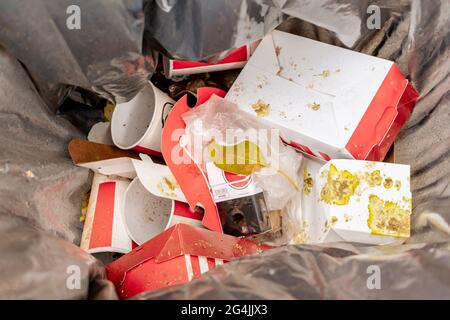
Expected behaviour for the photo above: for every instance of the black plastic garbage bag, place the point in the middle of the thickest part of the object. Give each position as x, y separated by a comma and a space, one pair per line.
103, 55
41, 191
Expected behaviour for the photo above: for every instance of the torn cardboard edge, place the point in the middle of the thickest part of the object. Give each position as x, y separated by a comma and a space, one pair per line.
234, 60
104, 159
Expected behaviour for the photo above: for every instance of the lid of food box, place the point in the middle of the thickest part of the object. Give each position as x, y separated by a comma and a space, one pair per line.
179, 240
318, 90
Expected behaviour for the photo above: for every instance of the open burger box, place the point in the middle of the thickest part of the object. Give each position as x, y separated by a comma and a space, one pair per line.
327, 101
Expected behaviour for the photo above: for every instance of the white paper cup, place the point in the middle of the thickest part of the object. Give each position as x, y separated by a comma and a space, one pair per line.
147, 215
137, 124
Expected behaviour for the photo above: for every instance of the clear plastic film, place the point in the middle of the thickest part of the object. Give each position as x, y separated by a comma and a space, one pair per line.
254, 148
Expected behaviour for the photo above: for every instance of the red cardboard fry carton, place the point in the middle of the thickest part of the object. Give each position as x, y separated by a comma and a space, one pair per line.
104, 229
234, 60
174, 257
326, 101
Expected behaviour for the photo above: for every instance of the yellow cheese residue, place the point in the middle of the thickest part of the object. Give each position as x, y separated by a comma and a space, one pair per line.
340, 186
301, 236
388, 183
387, 218
167, 186
314, 106
308, 182
374, 178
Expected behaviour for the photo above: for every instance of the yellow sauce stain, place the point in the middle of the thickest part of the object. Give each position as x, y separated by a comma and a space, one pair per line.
84, 207
167, 186
301, 236
340, 186
308, 182
387, 218
398, 185
108, 111
388, 183
325, 73
374, 179
407, 202
261, 108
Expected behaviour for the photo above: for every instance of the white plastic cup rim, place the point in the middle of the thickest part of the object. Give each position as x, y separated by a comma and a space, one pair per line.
139, 121
139, 227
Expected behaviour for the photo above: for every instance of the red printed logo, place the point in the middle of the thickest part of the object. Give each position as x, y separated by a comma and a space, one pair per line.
236, 181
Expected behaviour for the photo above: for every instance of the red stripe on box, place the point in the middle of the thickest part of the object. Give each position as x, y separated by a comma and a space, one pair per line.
147, 151
384, 117
195, 267
183, 210
211, 263
102, 226
325, 156
238, 55
301, 147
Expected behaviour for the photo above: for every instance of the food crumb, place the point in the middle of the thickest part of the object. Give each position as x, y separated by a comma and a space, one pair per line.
308, 182
261, 108
30, 174
277, 50
325, 73
314, 106
388, 183
280, 70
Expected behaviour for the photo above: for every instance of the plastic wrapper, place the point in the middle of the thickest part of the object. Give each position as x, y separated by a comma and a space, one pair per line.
42, 191
277, 177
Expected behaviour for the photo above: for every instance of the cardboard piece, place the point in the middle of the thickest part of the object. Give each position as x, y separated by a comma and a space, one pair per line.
101, 133
104, 159
234, 60
174, 257
357, 201
327, 101
241, 203
158, 179
104, 229
188, 173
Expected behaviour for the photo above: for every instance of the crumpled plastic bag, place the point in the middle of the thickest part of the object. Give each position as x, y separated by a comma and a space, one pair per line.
104, 55
414, 36
115, 50
222, 122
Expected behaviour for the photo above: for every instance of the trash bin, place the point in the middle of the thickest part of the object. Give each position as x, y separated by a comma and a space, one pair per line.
113, 52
